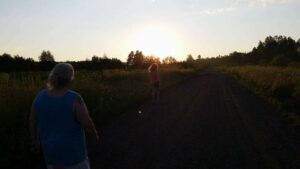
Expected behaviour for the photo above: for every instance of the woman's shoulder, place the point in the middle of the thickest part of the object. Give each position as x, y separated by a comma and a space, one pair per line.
42, 92
39, 97
76, 97
74, 93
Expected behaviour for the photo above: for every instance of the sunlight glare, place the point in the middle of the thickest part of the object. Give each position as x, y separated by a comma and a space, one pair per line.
158, 42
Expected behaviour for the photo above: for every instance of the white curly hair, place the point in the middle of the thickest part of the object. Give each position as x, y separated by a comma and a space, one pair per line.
60, 76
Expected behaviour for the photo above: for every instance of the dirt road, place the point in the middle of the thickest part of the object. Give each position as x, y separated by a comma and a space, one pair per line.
209, 122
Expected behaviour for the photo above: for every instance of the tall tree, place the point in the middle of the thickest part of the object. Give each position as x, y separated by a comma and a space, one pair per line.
151, 59
130, 59
169, 60
46, 56
95, 58
199, 57
138, 59
190, 58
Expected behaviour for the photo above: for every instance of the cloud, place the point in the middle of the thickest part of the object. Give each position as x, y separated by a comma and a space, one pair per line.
217, 11
268, 2
229, 8
237, 4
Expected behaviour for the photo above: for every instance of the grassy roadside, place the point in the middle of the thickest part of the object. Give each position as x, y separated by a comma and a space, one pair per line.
107, 94
278, 86
117, 90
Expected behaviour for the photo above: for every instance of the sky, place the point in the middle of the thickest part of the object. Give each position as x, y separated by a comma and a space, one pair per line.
78, 29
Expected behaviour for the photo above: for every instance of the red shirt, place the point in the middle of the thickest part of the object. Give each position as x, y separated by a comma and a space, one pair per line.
154, 76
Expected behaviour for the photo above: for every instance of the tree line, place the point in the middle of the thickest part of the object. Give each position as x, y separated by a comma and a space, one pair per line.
136, 60
9, 63
274, 50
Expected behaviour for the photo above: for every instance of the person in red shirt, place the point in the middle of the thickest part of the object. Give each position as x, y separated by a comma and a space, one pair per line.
153, 70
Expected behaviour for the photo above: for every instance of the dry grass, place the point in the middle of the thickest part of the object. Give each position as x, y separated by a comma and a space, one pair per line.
280, 86
107, 94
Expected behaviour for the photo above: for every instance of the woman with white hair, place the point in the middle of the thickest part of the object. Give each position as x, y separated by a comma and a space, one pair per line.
58, 121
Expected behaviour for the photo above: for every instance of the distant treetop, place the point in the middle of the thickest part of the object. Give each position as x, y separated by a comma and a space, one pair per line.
46, 56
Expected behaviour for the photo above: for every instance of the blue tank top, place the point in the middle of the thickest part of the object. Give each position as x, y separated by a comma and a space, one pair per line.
62, 138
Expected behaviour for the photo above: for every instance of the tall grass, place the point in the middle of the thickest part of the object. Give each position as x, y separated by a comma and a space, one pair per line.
280, 86
107, 94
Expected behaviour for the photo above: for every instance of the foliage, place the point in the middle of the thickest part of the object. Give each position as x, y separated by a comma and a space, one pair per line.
107, 93
199, 57
277, 51
280, 86
98, 63
17, 63
190, 59
46, 56
135, 60
139, 60
20, 64
169, 60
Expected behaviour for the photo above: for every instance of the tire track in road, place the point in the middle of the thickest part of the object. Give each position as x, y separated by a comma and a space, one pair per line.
235, 112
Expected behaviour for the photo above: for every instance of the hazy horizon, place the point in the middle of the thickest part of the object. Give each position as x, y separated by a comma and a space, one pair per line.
76, 30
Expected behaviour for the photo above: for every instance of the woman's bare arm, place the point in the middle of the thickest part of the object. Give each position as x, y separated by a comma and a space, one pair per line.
35, 143
84, 118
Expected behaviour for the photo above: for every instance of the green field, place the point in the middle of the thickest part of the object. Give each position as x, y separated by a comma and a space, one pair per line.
279, 86
107, 94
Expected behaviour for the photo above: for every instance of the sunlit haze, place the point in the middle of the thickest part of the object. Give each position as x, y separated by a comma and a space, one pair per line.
158, 42
79, 29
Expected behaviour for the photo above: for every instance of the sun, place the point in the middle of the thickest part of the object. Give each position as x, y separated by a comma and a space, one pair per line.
157, 41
